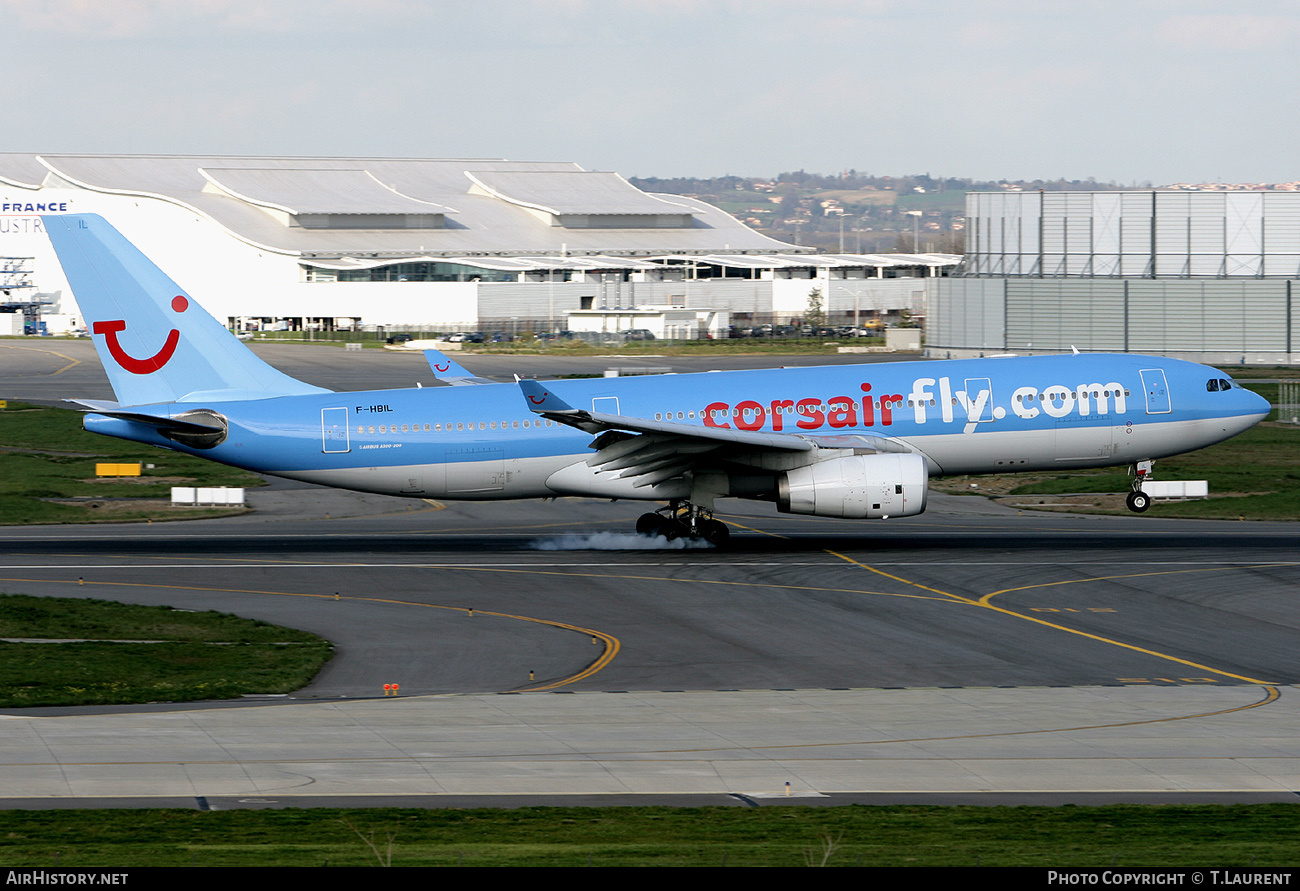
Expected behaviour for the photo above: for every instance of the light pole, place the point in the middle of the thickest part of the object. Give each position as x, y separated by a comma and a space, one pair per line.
856, 294
916, 230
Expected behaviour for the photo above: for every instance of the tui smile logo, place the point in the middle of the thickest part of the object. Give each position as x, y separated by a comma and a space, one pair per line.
126, 360
441, 368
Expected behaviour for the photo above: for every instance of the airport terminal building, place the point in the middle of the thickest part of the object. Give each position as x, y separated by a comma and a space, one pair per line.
1202, 275
337, 243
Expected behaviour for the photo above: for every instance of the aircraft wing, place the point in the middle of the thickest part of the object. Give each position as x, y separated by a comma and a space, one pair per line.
655, 451
544, 402
449, 371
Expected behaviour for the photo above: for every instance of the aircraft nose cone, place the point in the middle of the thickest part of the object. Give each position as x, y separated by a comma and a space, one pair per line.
1253, 407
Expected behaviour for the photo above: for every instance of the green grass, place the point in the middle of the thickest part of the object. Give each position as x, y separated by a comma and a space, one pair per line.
1260, 836
1253, 476
45, 454
199, 655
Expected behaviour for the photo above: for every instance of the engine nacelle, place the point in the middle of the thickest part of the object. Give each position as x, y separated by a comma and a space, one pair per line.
856, 488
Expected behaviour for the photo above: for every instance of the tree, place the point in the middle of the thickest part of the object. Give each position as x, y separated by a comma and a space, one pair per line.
816, 314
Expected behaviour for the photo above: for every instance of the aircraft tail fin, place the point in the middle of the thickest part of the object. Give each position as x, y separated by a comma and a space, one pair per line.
156, 343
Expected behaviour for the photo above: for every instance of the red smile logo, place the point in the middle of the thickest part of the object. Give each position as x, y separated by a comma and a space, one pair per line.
129, 362
442, 367
538, 400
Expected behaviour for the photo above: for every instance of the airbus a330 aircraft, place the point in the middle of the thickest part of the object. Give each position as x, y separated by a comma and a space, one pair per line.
852, 441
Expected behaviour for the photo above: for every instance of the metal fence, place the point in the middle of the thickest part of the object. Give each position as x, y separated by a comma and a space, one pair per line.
1288, 402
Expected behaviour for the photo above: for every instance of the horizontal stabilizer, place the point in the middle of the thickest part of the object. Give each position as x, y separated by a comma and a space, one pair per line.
194, 422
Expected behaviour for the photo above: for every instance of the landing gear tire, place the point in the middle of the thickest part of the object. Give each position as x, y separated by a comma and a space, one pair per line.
681, 519
649, 524
1138, 501
715, 532
674, 529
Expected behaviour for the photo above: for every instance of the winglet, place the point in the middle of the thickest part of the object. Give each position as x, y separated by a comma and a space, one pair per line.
449, 371
542, 401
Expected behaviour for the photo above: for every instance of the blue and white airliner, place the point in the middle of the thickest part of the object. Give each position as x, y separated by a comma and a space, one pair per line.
851, 441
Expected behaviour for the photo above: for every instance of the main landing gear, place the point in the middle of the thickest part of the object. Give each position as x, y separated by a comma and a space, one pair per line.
1137, 500
682, 519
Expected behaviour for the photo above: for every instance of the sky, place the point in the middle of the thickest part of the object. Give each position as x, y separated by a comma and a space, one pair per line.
1147, 90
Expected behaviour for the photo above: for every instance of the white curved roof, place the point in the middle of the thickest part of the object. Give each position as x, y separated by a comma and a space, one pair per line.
243, 195
308, 191
572, 192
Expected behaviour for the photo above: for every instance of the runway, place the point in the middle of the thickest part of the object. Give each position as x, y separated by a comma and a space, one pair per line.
968, 651
971, 651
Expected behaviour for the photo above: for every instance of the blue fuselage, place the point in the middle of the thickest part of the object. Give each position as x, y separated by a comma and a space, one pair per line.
966, 416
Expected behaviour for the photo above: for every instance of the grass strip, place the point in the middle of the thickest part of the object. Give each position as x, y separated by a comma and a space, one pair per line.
126, 653
47, 473
1253, 476
1260, 836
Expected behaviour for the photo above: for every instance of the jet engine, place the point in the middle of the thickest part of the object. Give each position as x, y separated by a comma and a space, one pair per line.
856, 488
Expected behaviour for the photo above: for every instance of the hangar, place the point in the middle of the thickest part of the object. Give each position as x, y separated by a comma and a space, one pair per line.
1201, 275
443, 244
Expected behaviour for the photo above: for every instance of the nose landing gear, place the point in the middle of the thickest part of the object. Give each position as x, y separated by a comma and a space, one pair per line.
682, 519
1137, 500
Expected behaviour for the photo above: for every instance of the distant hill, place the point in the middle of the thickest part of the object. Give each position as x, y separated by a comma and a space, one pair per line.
853, 211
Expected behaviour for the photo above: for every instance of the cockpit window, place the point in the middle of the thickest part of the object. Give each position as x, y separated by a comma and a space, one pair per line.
1212, 385
1225, 385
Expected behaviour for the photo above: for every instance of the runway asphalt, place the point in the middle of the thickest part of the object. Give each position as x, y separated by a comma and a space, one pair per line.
972, 651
